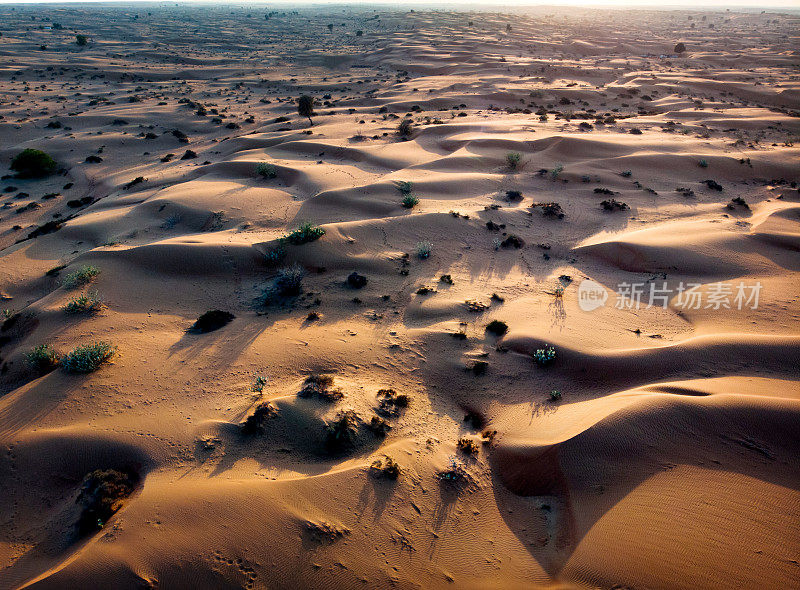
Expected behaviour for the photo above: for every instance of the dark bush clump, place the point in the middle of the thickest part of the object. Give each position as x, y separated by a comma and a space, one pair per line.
512, 241
405, 128
256, 422
318, 385
212, 320
497, 327
307, 232
356, 281
305, 107
613, 205
102, 495
30, 163
81, 40
342, 432
385, 468
713, 185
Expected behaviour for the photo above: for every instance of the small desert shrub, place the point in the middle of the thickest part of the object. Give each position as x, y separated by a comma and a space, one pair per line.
256, 422
680, 48
391, 403
513, 196
135, 181
102, 495
84, 303
455, 474
405, 187
467, 446
275, 256
259, 382
378, 426
319, 385
480, 367
385, 468
738, 202
713, 185
410, 201
88, 357
405, 128
613, 205
626, 173
30, 163
43, 358
266, 170
212, 320
83, 275
513, 160
512, 241
357, 281
342, 432
550, 209
555, 395
555, 172
81, 40
307, 232
545, 356
703, 164
446, 279
497, 327
289, 281
424, 249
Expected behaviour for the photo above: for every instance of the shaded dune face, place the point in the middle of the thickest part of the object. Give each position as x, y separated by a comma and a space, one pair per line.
242, 348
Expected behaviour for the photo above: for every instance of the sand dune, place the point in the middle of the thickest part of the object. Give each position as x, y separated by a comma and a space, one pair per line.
556, 156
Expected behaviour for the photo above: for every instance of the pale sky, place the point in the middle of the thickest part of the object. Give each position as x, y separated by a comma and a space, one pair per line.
693, 4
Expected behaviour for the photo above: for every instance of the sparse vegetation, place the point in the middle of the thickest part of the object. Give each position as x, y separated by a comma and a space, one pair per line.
356, 281
455, 474
703, 164
88, 357
447, 279
81, 276
555, 395
406, 187
550, 209
256, 422
305, 107
289, 281
43, 358
385, 468
513, 160
497, 327
406, 128
320, 385
259, 382
30, 163
307, 232
88, 302
342, 432
545, 356
424, 249
102, 495
410, 201
212, 320
391, 403
266, 170
680, 48
81, 40
613, 205
467, 446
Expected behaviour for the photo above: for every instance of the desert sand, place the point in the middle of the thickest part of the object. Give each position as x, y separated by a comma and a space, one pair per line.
626, 446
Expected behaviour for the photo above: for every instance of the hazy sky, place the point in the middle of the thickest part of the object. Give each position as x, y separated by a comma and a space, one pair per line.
696, 4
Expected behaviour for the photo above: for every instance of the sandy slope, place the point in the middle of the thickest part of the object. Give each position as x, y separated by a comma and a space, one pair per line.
670, 460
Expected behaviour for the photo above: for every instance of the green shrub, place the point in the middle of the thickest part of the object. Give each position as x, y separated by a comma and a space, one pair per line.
84, 303
342, 432
545, 356
424, 249
267, 170
410, 201
81, 40
43, 358
406, 128
307, 232
30, 163
83, 275
513, 159
256, 422
88, 357
404, 186
289, 281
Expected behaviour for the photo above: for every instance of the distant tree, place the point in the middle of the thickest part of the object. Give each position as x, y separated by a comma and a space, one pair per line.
81, 40
305, 107
680, 48
330, 28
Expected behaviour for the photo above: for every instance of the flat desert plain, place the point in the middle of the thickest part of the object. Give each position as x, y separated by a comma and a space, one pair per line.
511, 301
